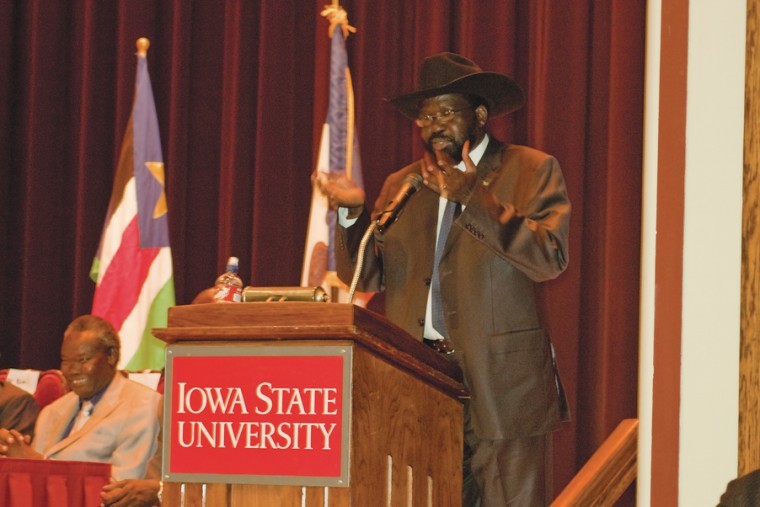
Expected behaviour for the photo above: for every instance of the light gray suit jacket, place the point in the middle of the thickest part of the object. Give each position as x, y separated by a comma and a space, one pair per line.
122, 429
512, 233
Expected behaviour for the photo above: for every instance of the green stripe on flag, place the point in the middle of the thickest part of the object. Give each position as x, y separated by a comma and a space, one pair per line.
95, 269
150, 353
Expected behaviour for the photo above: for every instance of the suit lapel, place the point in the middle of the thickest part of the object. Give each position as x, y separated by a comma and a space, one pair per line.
107, 404
59, 421
491, 159
488, 163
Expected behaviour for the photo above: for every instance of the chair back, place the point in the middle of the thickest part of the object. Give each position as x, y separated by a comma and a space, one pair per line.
51, 386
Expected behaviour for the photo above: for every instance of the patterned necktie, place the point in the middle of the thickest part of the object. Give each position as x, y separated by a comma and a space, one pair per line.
436, 304
82, 416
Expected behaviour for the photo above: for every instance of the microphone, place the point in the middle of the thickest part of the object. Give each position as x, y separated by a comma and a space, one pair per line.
411, 184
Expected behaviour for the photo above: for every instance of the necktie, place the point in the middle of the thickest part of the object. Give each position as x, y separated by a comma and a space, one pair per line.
436, 305
82, 416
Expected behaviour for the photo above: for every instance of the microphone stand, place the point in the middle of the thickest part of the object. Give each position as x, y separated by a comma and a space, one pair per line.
360, 260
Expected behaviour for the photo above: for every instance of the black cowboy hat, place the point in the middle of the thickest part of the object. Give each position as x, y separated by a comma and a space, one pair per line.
452, 73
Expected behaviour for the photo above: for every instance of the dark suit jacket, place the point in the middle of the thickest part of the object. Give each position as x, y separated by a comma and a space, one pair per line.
18, 409
512, 233
742, 492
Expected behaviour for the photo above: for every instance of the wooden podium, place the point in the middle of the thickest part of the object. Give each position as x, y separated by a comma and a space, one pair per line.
398, 411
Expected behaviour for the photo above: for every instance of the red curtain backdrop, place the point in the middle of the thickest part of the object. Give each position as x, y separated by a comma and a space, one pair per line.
241, 93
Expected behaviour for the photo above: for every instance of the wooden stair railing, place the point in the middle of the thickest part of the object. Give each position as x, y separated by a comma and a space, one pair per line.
608, 473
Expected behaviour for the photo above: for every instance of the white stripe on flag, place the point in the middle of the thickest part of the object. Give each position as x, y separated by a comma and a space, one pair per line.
134, 325
318, 229
114, 231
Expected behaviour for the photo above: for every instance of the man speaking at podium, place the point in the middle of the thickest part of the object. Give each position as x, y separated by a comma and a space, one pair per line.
459, 266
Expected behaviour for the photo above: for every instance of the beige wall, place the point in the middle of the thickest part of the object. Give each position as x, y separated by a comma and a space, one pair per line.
710, 313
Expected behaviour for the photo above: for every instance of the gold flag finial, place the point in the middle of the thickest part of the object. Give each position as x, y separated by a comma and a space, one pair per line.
336, 15
143, 43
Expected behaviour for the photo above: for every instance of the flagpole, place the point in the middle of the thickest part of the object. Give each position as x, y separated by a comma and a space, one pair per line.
350, 125
143, 43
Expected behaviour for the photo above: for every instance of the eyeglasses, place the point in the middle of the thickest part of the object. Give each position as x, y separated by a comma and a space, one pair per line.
445, 116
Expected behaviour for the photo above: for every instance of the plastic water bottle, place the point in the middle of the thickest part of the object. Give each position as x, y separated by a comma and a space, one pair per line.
229, 286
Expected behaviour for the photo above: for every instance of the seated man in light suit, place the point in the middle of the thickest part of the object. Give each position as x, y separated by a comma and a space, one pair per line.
105, 418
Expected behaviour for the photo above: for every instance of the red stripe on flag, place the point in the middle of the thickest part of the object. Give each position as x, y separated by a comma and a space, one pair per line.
120, 287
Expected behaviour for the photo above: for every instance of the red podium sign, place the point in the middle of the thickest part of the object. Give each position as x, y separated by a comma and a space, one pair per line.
257, 414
